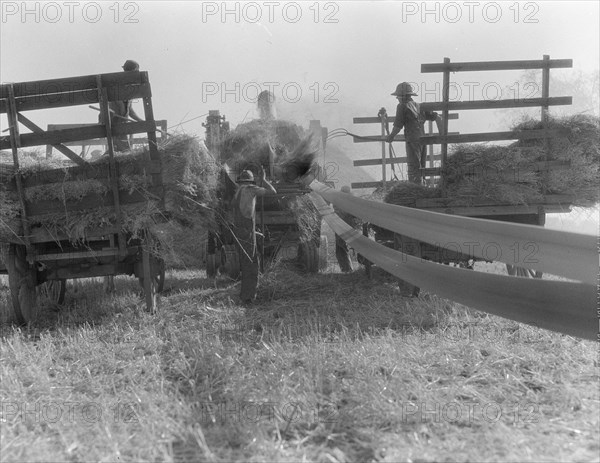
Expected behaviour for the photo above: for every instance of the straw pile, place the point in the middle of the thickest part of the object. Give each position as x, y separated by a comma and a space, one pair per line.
188, 175
283, 146
264, 143
511, 174
405, 193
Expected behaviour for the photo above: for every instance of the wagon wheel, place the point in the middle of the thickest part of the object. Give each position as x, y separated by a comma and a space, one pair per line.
149, 280
21, 280
52, 292
323, 257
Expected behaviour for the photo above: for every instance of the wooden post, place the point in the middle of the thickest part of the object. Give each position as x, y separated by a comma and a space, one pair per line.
149, 116
430, 147
383, 134
163, 131
15, 144
445, 99
152, 143
545, 115
112, 165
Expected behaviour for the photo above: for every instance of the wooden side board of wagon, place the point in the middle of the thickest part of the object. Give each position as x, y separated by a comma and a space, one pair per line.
77, 219
545, 165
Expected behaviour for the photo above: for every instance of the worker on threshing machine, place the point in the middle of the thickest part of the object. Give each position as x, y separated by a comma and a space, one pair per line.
410, 117
244, 228
266, 106
122, 112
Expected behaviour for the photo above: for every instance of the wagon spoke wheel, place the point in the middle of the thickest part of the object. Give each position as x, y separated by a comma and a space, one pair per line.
149, 280
22, 280
52, 292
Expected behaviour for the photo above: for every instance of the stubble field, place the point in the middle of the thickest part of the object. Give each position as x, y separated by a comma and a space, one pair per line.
328, 368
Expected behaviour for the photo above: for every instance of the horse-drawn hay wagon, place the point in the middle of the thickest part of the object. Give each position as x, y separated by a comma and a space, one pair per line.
72, 219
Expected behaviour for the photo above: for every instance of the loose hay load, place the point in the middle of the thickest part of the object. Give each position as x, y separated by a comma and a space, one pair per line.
271, 143
516, 174
286, 153
74, 201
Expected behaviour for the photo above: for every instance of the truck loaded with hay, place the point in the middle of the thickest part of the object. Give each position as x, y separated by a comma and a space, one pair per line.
544, 165
287, 221
68, 219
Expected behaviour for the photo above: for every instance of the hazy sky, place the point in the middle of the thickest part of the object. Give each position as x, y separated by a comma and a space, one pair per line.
340, 59
328, 60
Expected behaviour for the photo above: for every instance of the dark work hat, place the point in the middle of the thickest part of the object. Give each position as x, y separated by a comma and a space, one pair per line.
131, 65
246, 176
404, 88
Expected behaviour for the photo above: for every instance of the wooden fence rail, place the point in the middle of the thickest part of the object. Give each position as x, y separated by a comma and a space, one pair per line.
446, 137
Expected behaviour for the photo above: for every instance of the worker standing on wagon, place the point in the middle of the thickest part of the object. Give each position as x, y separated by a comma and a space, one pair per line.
410, 117
244, 228
121, 112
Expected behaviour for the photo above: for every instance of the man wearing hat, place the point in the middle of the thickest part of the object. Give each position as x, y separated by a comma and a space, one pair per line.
244, 228
121, 112
410, 117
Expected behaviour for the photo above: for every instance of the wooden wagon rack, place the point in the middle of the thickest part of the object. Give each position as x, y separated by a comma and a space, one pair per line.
533, 213
36, 257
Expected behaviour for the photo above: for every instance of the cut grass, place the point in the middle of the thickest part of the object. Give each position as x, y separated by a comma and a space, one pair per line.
329, 368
